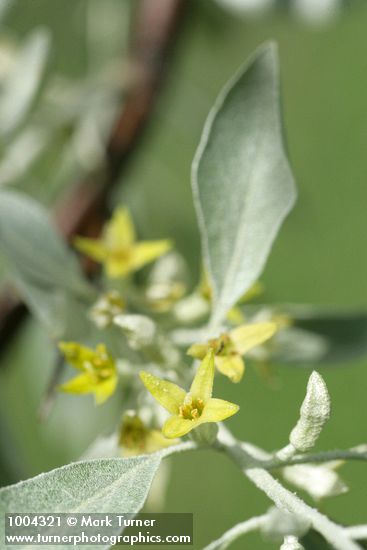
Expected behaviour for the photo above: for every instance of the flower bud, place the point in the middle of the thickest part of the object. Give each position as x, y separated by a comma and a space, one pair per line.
291, 543
107, 307
315, 411
139, 330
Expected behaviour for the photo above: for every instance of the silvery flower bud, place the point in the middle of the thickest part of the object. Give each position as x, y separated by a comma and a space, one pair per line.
291, 543
315, 411
139, 330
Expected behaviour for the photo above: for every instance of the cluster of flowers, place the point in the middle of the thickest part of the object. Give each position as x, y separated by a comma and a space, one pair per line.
121, 254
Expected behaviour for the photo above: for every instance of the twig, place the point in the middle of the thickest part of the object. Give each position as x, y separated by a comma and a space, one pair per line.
251, 466
327, 456
286, 500
357, 532
237, 531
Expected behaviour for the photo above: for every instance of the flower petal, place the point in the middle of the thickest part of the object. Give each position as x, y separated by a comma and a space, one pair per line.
84, 383
198, 350
117, 267
216, 410
75, 354
147, 251
119, 232
202, 385
103, 390
176, 426
251, 335
231, 365
94, 248
156, 441
169, 395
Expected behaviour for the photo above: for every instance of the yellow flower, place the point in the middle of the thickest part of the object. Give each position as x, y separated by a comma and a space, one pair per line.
118, 250
231, 346
98, 371
136, 438
191, 409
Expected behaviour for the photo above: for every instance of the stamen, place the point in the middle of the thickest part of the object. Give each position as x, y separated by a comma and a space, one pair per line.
191, 409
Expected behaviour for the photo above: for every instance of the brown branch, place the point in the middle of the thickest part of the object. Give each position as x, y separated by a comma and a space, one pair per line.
84, 210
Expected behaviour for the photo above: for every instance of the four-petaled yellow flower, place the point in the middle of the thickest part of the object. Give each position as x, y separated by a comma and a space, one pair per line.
137, 439
191, 409
231, 346
98, 371
118, 250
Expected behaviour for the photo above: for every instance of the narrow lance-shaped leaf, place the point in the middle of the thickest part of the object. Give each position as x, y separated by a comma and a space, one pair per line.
345, 331
4, 6
242, 184
113, 485
317, 335
22, 83
45, 271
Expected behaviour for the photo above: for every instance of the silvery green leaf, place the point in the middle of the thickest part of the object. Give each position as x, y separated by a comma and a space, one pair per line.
242, 183
247, 8
4, 7
44, 269
317, 334
62, 314
317, 12
33, 245
111, 485
293, 344
319, 480
345, 331
21, 154
22, 82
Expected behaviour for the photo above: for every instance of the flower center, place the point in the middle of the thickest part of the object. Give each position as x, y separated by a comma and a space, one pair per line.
120, 254
100, 368
133, 433
222, 345
191, 409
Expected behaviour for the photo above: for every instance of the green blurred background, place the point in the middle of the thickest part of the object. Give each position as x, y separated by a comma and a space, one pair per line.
320, 256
